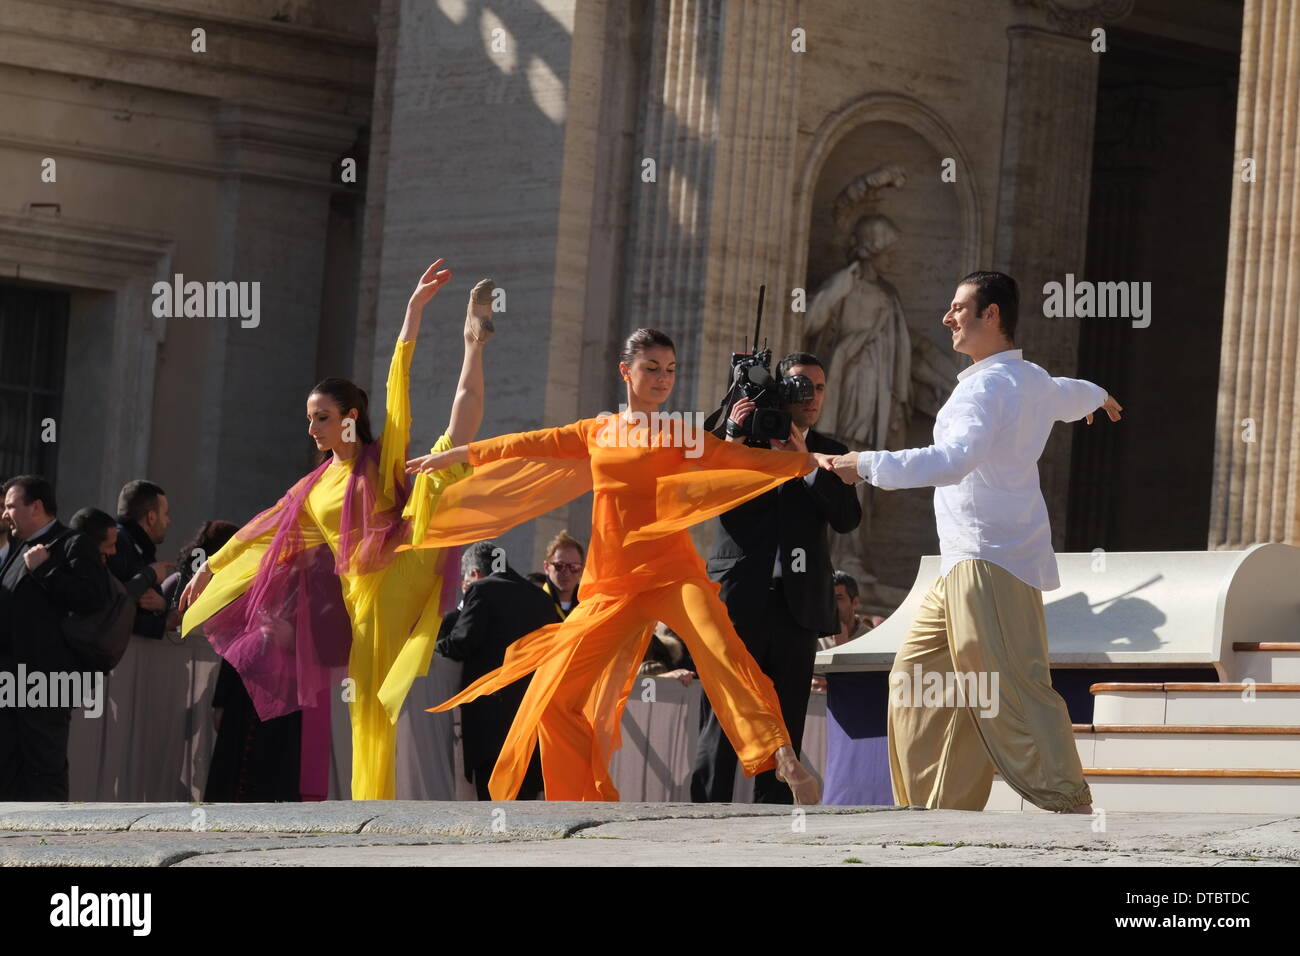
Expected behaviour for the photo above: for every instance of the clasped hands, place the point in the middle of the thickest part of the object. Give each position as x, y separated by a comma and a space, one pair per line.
845, 466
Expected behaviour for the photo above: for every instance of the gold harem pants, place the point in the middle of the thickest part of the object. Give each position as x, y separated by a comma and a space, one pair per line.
971, 693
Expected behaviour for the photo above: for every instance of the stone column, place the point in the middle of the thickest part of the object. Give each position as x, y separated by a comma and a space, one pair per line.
668, 251
1042, 224
275, 202
376, 168
486, 144
752, 218
1257, 448
720, 124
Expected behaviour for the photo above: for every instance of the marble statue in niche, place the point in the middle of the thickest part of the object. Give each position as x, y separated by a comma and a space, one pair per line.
856, 325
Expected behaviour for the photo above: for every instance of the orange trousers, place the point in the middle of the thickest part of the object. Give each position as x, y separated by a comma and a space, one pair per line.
575, 702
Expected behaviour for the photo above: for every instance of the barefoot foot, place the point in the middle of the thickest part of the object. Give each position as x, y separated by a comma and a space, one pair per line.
478, 315
791, 772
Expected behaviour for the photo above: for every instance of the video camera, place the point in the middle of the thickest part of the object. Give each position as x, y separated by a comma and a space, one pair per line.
751, 377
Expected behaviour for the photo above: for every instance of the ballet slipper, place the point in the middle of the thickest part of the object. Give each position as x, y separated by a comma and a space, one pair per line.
791, 772
478, 315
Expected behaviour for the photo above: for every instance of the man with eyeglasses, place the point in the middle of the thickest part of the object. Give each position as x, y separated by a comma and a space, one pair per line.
563, 565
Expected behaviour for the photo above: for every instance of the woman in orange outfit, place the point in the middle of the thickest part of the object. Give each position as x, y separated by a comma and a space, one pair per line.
651, 481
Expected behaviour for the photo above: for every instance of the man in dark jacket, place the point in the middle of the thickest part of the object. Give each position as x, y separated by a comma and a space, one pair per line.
772, 558
142, 520
50, 572
7, 539
500, 606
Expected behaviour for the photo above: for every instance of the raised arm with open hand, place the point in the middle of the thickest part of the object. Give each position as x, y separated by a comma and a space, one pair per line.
434, 278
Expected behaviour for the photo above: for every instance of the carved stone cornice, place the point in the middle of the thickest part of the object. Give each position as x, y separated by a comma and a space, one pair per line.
1079, 17
149, 45
92, 255
292, 144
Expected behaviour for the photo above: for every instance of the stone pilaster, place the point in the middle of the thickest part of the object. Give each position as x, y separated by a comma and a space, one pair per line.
1042, 223
720, 125
752, 206
1257, 447
275, 202
381, 128
668, 248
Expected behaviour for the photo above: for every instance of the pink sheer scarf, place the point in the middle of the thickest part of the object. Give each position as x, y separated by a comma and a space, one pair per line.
287, 631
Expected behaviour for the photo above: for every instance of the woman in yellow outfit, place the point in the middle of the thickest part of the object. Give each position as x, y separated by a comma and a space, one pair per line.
652, 478
315, 581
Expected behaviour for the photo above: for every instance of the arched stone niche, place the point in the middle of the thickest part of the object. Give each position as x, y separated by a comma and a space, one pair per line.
939, 221
940, 241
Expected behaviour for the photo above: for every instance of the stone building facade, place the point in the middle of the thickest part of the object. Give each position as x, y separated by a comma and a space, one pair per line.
613, 165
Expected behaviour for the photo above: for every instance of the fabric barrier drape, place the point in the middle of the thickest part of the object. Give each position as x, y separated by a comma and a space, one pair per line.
153, 742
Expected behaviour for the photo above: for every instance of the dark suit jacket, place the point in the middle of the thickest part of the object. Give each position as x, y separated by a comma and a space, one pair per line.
498, 610
549, 588
33, 603
130, 565
789, 517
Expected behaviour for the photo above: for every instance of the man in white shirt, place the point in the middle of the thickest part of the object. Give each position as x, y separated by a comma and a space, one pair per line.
980, 629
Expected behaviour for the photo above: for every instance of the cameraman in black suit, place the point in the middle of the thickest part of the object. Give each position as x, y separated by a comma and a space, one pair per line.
772, 558
50, 572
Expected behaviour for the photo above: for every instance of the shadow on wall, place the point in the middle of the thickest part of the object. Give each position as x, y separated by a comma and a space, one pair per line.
1124, 622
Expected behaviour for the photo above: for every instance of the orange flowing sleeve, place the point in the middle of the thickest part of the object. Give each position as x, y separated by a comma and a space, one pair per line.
569, 441
721, 477
515, 479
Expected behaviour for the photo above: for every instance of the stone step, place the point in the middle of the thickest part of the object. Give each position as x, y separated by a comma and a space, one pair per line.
1267, 661
1182, 790
1247, 703
1198, 747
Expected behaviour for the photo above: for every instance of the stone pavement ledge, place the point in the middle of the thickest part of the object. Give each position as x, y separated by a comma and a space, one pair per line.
416, 833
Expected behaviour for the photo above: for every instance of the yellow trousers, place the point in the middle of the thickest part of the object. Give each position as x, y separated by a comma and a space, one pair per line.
388, 654
980, 635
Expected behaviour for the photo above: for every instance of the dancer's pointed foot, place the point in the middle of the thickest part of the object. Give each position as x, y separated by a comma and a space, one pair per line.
478, 315
1081, 808
791, 772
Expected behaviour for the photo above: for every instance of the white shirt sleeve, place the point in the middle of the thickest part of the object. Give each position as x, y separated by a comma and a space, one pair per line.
970, 430
1076, 398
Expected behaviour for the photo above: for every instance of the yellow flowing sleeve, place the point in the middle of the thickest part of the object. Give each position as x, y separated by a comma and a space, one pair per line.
427, 491
235, 565
396, 436
233, 548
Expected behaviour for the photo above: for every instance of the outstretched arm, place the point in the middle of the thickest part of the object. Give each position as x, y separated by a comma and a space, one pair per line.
1111, 407
247, 547
972, 426
567, 442
396, 433
1076, 398
791, 457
